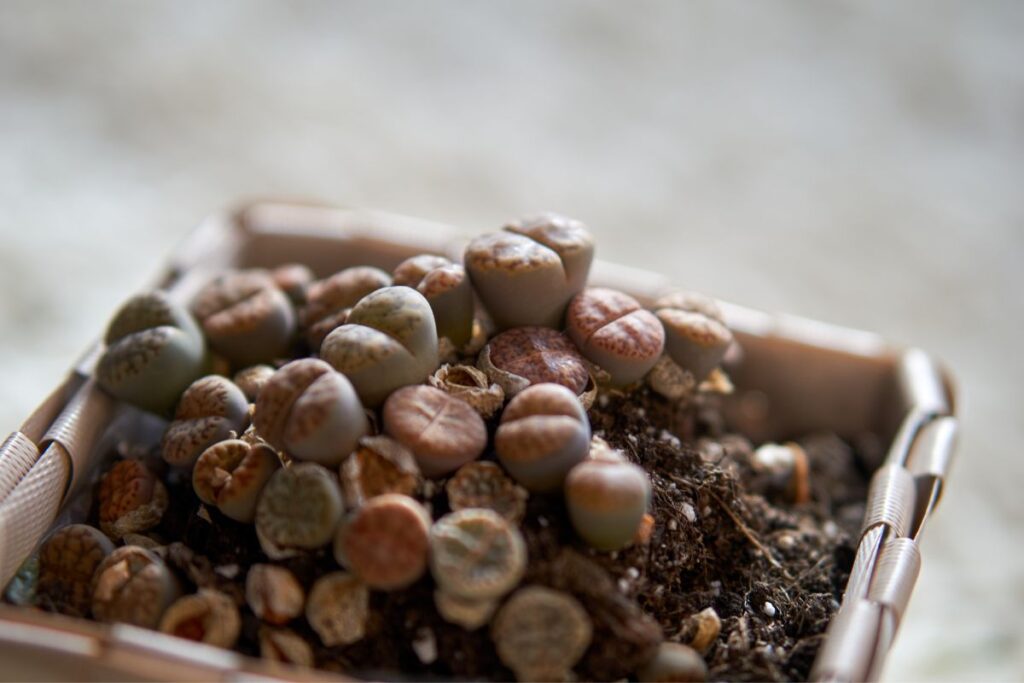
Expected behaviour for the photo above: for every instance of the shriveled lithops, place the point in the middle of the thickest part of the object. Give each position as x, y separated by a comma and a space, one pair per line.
607, 498
252, 379
337, 609
246, 317
299, 509
67, 563
385, 542
293, 279
311, 412
526, 274
485, 485
154, 351
443, 432
389, 341
231, 475
544, 433
674, 662
132, 499
471, 385
446, 287
476, 554
517, 358
285, 646
209, 411
469, 614
616, 333
208, 616
274, 594
132, 585
328, 301
379, 465
696, 337
541, 633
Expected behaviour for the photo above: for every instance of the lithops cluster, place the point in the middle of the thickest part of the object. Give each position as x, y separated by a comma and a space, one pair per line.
338, 608
132, 585
442, 432
274, 594
385, 542
230, 475
132, 499
607, 498
696, 337
67, 564
299, 509
206, 617
210, 410
530, 355
329, 301
379, 465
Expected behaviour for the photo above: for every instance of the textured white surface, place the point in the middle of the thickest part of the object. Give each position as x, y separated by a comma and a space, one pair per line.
856, 163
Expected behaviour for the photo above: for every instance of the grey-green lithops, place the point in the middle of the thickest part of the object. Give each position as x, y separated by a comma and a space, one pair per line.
300, 508
231, 475
544, 433
67, 562
696, 337
442, 431
446, 287
329, 301
134, 586
208, 616
526, 274
476, 554
311, 412
209, 411
674, 662
154, 351
607, 498
389, 341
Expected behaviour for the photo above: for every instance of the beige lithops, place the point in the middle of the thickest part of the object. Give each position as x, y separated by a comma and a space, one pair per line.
389, 341
209, 411
311, 412
132, 499
607, 498
274, 594
519, 357
379, 465
485, 485
696, 337
544, 433
231, 475
67, 562
208, 616
300, 508
385, 542
471, 385
674, 662
284, 646
526, 274
252, 379
338, 608
446, 287
132, 585
329, 301
476, 554
614, 332
443, 432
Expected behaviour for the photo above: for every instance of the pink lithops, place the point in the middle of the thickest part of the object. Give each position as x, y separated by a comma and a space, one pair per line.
132, 585
385, 542
526, 274
607, 498
614, 332
209, 411
230, 475
544, 433
67, 563
443, 432
245, 317
446, 287
132, 499
328, 301
517, 358
696, 337
311, 412
274, 594
208, 616
485, 485
300, 508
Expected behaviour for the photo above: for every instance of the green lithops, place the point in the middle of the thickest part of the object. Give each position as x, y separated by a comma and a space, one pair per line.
527, 274
329, 301
614, 332
544, 433
448, 290
476, 554
696, 337
389, 341
607, 498
209, 411
154, 351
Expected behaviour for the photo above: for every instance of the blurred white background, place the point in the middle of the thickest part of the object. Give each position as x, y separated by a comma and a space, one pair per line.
860, 163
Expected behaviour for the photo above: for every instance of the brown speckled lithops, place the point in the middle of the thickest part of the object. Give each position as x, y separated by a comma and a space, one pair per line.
674, 662
209, 411
311, 412
614, 332
476, 554
338, 608
154, 351
530, 355
300, 509
231, 475
274, 594
443, 432
329, 301
132, 499
544, 433
527, 274
384, 543
485, 485
133, 586
541, 634
696, 337
446, 287
380, 465
607, 498
389, 341
67, 563
208, 616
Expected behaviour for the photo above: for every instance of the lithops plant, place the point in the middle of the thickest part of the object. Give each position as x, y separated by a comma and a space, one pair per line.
541, 634
154, 351
517, 358
209, 411
607, 498
485, 485
311, 412
338, 608
231, 475
131, 499
674, 662
208, 616
245, 317
67, 563
299, 509
385, 542
293, 279
476, 554
696, 337
285, 646
614, 332
469, 614
389, 341
379, 465
544, 433
133, 586
252, 379
471, 385
274, 594
443, 432
329, 301
526, 274
447, 288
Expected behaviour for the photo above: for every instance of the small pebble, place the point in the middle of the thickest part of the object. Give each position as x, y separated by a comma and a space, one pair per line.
769, 610
425, 646
690, 513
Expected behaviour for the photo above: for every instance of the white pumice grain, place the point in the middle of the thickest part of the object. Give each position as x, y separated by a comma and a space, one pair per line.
690, 513
769, 610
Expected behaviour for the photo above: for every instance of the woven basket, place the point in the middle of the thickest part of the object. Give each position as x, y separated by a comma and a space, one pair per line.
794, 376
